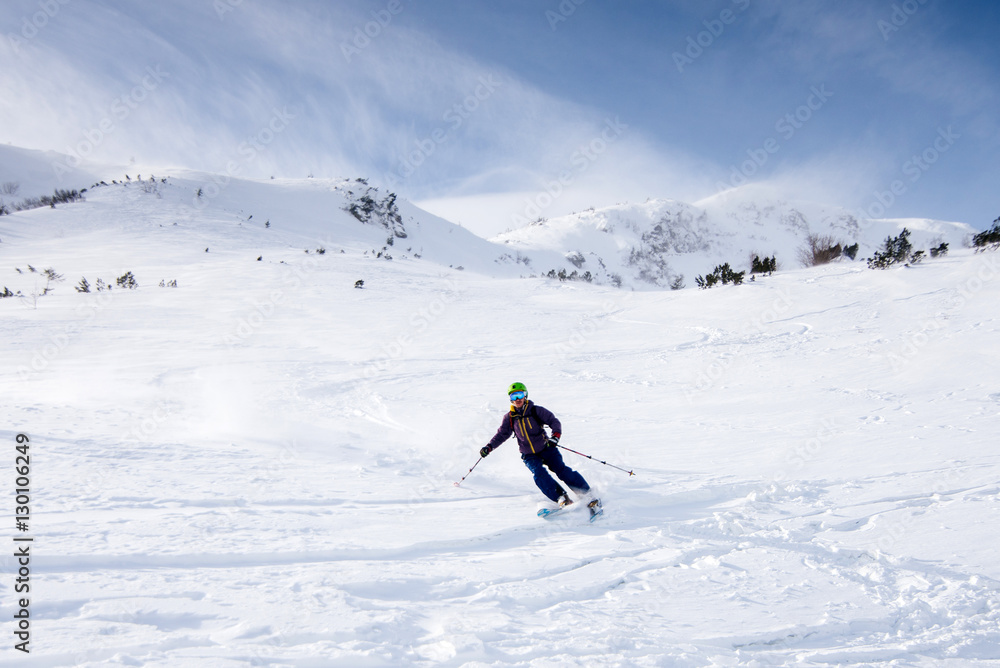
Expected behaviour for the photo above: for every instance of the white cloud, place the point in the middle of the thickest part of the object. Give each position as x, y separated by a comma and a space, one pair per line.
400, 108
439, 125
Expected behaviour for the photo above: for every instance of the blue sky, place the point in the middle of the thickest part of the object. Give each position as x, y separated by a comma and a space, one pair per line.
496, 113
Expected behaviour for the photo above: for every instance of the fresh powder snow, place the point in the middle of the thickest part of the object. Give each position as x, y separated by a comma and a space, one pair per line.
254, 463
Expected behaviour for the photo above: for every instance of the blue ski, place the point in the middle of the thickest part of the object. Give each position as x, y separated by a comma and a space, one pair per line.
546, 513
596, 509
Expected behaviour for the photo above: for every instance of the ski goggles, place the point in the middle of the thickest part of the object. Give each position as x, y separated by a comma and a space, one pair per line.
514, 396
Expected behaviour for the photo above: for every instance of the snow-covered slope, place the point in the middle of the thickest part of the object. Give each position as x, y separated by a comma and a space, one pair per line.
256, 467
635, 246
37, 173
276, 218
651, 244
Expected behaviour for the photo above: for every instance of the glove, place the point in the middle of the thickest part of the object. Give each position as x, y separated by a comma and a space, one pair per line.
485, 451
552, 441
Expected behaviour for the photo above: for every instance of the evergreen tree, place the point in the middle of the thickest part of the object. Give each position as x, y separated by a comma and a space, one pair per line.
940, 250
894, 250
127, 280
990, 237
766, 266
722, 273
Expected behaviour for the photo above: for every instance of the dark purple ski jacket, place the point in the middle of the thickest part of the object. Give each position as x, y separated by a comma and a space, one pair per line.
526, 425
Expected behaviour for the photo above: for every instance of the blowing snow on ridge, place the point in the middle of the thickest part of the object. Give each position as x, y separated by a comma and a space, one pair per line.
654, 244
244, 454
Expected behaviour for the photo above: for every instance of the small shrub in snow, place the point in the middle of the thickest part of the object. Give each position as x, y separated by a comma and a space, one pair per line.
127, 281
32, 299
852, 251
677, 283
727, 274
50, 277
819, 250
723, 273
707, 281
988, 239
940, 250
83, 286
359, 284
57, 197
575, 276
517, 258
766, 266
894, 250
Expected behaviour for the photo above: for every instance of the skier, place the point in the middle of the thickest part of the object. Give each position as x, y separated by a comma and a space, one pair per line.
525, 421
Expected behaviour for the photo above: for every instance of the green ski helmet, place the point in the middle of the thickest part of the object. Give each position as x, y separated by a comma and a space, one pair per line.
517, 387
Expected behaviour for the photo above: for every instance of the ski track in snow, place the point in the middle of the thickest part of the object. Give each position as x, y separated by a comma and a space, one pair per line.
816, 482
631, 579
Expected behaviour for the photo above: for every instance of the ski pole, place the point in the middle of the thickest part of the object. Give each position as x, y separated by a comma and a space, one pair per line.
467, 474
589, 457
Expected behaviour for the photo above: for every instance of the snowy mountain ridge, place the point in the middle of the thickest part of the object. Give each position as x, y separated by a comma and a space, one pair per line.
636, 246
654, 243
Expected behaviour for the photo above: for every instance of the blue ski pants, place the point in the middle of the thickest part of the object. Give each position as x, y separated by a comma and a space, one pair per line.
551, 457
